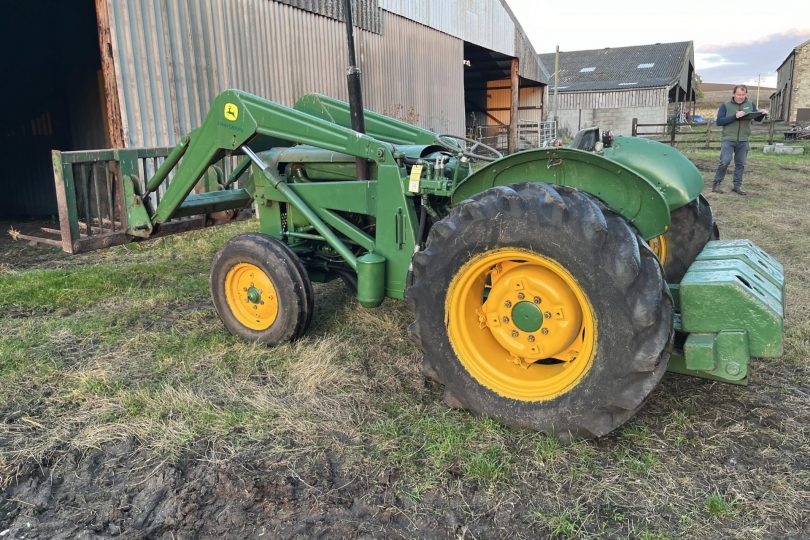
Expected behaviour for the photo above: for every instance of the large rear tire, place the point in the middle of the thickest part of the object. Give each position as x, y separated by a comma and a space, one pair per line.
691, 227
261, 290
536, 306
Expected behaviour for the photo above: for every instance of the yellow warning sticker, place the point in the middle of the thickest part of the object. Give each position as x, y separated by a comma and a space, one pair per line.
231, 112
413, 180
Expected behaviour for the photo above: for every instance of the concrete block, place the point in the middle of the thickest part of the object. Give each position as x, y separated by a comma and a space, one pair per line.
782, 149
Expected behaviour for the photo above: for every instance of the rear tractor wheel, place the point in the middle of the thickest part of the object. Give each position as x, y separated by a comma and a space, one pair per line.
552, 315
261, 290
691, 227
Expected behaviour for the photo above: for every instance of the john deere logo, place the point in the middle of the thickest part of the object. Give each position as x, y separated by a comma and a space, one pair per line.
231, 112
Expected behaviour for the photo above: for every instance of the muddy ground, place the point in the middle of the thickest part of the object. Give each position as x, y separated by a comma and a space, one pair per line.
101, 494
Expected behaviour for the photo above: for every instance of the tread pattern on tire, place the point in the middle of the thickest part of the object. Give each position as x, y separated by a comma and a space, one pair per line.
546, 219
691, 227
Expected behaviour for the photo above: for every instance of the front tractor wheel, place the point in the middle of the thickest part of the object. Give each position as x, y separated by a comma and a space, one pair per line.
553, 314
261, 290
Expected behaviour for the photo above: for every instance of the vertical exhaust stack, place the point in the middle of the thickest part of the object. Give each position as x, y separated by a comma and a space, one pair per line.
355, 91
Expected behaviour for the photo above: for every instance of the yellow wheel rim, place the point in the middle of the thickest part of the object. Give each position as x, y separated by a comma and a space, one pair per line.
520, 324
659, 247
251, 296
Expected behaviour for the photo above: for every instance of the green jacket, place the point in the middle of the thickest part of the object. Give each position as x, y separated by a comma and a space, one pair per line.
735, 129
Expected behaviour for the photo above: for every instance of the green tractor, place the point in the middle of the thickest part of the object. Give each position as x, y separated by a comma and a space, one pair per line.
551, 288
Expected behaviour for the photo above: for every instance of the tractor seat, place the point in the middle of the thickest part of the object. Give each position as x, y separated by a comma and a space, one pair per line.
586, 139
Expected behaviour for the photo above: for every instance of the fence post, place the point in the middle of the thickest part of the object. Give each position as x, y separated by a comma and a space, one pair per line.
674, 131
635, 127
708, 134
770, 132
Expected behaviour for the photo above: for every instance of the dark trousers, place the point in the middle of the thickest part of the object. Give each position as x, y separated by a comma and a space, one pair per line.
740, 151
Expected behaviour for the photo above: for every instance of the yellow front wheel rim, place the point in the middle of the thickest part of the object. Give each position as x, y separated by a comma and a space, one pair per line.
251, 296
520, 324
659, 247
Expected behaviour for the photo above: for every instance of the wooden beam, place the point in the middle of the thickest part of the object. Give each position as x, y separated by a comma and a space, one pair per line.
115, 128
513, 112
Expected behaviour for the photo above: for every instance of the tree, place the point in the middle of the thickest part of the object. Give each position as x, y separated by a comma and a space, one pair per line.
698, 88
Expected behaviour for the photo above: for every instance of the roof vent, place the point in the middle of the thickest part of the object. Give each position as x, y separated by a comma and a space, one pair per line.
627, 83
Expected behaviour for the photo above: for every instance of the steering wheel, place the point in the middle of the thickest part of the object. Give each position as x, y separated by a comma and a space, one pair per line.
468, 147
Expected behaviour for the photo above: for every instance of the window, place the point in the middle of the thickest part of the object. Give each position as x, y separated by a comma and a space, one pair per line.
627, 83
646, 66
587, 69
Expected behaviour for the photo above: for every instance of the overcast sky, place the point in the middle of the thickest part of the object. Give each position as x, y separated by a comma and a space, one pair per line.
734, 41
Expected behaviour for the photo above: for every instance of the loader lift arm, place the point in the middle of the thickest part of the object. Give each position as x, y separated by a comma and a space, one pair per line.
238, 119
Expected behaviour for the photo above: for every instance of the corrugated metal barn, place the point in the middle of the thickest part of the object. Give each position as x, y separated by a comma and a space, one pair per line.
609, 87
135, 73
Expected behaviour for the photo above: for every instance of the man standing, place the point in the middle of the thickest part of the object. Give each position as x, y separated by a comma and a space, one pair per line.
735, 118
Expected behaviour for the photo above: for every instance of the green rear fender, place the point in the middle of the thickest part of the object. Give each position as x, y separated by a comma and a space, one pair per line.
644, 195
671, 172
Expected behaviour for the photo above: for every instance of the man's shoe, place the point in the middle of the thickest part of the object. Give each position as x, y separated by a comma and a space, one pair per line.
739, 191
717, 189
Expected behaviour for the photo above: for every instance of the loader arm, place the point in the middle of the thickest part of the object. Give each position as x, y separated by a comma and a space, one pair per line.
235, 119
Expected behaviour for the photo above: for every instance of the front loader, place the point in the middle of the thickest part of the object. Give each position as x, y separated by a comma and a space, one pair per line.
551, 288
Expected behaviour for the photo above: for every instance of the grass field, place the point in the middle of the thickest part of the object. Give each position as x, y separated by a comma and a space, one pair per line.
126, 408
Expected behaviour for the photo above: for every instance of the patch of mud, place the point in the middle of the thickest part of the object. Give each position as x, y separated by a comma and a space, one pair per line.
102, 495
705, 165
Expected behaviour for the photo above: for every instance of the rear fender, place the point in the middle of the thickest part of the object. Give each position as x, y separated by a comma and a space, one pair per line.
626, 192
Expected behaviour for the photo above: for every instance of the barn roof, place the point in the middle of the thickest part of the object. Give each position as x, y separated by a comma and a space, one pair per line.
618, 68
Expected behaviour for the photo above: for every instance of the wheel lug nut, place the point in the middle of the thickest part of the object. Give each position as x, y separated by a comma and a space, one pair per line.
507, 304
544, 331
531, 339
547, 314
537, 300
521, 296
515, 333
505, 320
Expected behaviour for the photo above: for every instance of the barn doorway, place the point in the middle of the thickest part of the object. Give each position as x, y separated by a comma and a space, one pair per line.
52, 96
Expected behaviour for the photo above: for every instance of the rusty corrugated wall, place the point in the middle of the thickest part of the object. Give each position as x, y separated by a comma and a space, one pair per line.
483, 22
172, 57
486, 23
366, 14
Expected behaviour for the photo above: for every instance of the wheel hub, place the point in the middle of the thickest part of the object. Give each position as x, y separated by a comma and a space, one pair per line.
251, 296
532, 312
527, 316
254, 295
520, 324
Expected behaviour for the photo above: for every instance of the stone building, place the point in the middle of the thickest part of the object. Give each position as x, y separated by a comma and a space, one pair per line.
791, 101
609, 87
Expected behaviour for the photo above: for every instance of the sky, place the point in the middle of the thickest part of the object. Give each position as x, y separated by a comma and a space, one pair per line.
735, 41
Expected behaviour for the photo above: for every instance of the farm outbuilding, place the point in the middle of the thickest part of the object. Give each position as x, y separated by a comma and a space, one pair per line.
791, 101
139, 73
609, 87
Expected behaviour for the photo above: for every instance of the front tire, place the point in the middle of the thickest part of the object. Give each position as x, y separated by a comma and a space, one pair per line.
261, 290
552, 313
